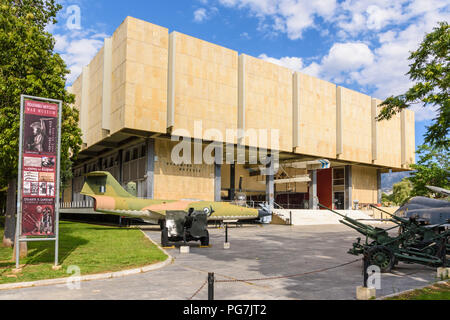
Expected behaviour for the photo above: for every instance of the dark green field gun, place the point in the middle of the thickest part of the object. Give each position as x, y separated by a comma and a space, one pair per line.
413, 244
418, 235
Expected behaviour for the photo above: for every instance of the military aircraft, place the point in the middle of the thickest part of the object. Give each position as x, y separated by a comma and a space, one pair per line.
426, 210
111, 198
443, 191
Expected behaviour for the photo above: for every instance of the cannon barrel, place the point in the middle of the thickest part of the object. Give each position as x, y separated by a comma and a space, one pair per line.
393, 216
360, 227
403, 220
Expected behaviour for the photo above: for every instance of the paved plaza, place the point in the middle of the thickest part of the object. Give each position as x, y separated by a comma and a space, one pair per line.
257, 252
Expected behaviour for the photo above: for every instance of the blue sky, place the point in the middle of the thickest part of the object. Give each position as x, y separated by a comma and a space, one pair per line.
359, 44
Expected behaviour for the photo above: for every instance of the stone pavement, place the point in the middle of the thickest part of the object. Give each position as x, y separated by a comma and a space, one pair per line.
256, 252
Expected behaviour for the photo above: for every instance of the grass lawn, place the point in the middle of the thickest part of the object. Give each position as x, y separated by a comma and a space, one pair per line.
434, 292
94, 249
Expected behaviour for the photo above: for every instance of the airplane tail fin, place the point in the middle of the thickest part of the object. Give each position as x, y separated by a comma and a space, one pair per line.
102, 183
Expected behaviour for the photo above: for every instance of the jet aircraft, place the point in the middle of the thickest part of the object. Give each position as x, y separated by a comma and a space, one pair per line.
111, 198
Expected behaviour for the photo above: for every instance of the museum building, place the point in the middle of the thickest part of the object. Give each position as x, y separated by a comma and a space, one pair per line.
146, 85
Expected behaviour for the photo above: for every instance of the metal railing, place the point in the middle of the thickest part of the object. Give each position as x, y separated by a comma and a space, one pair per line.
82, 204
254, 204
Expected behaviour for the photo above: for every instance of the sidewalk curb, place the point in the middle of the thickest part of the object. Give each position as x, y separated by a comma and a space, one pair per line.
100, 276
410, 290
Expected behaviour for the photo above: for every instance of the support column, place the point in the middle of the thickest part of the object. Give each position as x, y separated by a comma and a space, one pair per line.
241, 98
99, 164
296, 109
85, 172
348, 188
380, 193
171, 82
270, 188
84, 108
313, 200
374, 130
232, 182
72, 192
120, 180
403, 137
218, 161
107, 79
150, 174
339, 128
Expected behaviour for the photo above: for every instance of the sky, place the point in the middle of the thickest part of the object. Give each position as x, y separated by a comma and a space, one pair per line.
362, 45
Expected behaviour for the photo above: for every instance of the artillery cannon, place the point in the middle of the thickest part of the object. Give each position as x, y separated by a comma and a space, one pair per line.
419, 235
186, 227
413, 244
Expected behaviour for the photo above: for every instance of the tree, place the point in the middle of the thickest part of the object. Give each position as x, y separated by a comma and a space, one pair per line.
432, 169
430, 72
386, 199
402, 191
29, 66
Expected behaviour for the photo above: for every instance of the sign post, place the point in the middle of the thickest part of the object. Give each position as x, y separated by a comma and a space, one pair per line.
39, 172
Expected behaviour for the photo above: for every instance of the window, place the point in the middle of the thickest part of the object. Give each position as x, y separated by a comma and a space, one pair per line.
339, 200
339, 177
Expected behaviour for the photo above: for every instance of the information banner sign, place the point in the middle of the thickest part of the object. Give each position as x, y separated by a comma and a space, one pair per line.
40, 151
39, 164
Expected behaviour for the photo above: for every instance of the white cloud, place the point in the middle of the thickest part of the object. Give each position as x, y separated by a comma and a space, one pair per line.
245, 35
346, 57
376, 38
61, 42
292, 17
76, 47
200, 15
293, 63
78, 54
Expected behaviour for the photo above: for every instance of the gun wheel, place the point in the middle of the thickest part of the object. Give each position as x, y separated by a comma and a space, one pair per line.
204, 241
164, 237
382, 257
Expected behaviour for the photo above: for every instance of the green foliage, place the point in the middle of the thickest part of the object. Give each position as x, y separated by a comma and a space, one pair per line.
401, 193
438, 291
430, 72
432, 169
29, 66
95, 249
387, 199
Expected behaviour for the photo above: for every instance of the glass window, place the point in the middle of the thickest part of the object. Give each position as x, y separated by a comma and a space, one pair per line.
339, 200
339, 176
143, 151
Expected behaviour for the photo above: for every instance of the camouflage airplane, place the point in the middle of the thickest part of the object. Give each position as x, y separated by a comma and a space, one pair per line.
111, 198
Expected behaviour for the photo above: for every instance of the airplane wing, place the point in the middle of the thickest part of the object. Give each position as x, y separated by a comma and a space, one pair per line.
439, 190
111, 198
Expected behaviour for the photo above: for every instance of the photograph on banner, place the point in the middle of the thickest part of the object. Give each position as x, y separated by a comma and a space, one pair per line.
40, 134
40, 127
38, 216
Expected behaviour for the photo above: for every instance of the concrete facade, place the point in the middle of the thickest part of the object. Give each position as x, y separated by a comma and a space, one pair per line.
149, 83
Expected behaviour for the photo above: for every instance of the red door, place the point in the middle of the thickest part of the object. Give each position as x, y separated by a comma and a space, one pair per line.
325, 187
